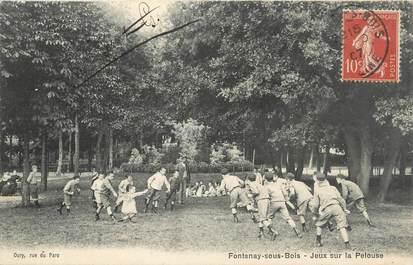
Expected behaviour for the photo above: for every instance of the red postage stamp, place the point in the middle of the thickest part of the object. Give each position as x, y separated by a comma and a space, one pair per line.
370, 50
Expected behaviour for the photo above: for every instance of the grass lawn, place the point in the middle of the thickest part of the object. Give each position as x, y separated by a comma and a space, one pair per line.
201, 224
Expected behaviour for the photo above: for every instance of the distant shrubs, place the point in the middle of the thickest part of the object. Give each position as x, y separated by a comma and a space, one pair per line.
195, 167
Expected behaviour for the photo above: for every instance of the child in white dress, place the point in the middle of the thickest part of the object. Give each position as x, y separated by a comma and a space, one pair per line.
129, 203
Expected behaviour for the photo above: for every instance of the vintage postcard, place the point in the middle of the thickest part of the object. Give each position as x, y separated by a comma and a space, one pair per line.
206, 132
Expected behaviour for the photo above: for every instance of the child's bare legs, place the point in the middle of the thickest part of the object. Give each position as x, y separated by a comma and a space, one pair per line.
286, 216
267, 223
344, 235
129, 217
319, 230
234, 213
366, 215
98, 210
302, 221
63, 204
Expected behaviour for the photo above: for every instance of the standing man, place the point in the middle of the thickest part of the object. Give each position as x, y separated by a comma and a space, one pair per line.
33, 188
182, 178
155, 184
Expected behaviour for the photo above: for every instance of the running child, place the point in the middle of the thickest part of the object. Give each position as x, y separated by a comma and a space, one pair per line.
303, 195
68, 191
232, 184
94, 177
352, 193
174, 182
103, 190
155, 184
262, 198
278, 199
122, 190
329, 204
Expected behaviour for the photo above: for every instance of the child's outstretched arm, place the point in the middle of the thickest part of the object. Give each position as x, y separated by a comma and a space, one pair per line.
139, 193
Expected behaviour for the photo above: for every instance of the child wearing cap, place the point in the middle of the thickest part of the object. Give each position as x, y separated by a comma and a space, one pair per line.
352, 193
303, 196
278, 199
68, 191
129, 204
329, 204
232, 184
262, 198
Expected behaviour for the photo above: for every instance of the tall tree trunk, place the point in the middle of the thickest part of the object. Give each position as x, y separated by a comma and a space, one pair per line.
326, 160
310, 162
10, 149
47, 161
271, 153
44, 161
70, 161
60, 159
77, 147
90, 156
98, 152
106, 149
300, 163
26, 171
110, 135
365, 158
318, 158
141, 139
403, 161
291, 160
389, 162
280, 163
2, 136
353, 154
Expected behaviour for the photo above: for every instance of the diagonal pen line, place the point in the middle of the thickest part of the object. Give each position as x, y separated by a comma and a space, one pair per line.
135, 47
133, 24
133, 31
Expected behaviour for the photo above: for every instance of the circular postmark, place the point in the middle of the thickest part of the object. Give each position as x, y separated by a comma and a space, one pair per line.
370, 41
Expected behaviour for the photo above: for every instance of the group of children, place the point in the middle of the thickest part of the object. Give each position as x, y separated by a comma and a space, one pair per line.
267, 195
104, 195
262, 195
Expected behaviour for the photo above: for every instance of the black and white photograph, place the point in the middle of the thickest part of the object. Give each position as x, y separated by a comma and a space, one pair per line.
206, 132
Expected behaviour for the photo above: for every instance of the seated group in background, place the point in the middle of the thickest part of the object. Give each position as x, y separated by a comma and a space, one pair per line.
9, 183
199, 189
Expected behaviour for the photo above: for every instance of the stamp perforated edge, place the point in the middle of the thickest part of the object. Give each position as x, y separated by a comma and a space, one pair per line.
398, 49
